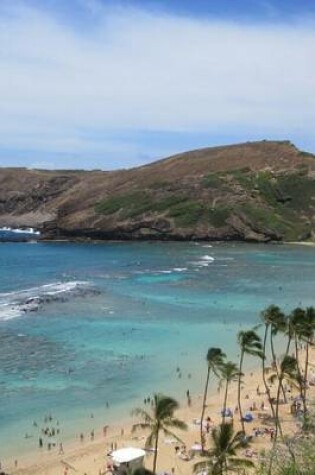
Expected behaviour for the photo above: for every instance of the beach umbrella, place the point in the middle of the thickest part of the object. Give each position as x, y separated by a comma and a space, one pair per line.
248, 417
228, 413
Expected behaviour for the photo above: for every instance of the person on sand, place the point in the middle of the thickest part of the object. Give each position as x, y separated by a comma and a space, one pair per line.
61, 452
81, 437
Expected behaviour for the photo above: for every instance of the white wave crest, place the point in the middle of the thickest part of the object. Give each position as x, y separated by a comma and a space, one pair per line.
207, 258
17, 303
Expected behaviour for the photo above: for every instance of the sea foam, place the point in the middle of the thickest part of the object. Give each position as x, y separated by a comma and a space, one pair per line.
17, 303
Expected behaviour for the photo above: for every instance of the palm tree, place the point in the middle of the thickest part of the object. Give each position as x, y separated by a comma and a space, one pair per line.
215, 359
299, 327
161, 419
278, 323
223, 456
308, 337
250, 344
288, 371
228, 372
266, 316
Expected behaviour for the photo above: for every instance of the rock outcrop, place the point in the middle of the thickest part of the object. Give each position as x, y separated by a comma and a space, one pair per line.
258, 191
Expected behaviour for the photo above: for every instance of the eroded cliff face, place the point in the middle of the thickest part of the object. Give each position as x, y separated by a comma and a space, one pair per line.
258, 191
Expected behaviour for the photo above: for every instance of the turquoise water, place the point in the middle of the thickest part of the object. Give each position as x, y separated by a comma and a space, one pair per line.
111, 323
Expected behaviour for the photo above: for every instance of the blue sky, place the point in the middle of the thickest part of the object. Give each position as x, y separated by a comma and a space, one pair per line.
114, 84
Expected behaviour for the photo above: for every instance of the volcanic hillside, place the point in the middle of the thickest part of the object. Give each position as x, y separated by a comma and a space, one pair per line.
257, 191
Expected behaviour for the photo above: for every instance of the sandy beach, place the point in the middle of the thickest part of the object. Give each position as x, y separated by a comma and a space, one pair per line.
89, 457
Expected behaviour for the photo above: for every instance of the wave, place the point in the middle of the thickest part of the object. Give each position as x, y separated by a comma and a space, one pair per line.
203, 261
17, 303
207, 258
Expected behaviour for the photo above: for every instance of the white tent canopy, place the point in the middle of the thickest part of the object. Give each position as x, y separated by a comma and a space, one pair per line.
127, 455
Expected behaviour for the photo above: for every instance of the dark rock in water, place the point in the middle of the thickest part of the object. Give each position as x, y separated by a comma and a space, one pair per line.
20, 302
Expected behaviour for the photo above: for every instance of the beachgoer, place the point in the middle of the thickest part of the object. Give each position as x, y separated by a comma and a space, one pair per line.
61, 449
81, 437
92, 434
40, 443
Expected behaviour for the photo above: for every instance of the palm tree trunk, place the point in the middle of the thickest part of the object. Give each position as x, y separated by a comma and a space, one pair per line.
286, 354
300, 381
264, 375
277, 426
156, 449
274, 359
239, 392
225, 401
202, 442
305, 378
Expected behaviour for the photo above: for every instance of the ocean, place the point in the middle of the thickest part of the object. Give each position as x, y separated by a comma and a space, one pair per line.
87, 331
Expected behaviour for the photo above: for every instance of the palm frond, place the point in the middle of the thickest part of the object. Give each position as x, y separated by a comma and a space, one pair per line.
138, 411
205, 466
169, 433
140, 425
150, 440
240, 462
177, 423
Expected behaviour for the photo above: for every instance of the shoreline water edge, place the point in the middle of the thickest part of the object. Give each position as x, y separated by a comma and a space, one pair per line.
125, 298
89, 453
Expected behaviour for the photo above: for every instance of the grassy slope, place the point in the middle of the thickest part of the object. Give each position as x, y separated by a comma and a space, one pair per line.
245, 190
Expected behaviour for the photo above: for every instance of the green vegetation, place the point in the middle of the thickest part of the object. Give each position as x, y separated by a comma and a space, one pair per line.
220, 451
215, 359
188, 213
265, 218
160, 419
212, 180
281, 204
136, 203
218, 216
222, 458
300, 188
250, 344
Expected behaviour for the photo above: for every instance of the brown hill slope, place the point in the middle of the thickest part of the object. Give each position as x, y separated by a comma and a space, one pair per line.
254, 191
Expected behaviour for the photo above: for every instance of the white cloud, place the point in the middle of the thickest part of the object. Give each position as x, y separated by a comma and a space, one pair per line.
142, 71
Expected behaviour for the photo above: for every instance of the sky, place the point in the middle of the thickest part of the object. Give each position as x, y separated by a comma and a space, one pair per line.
104, 84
